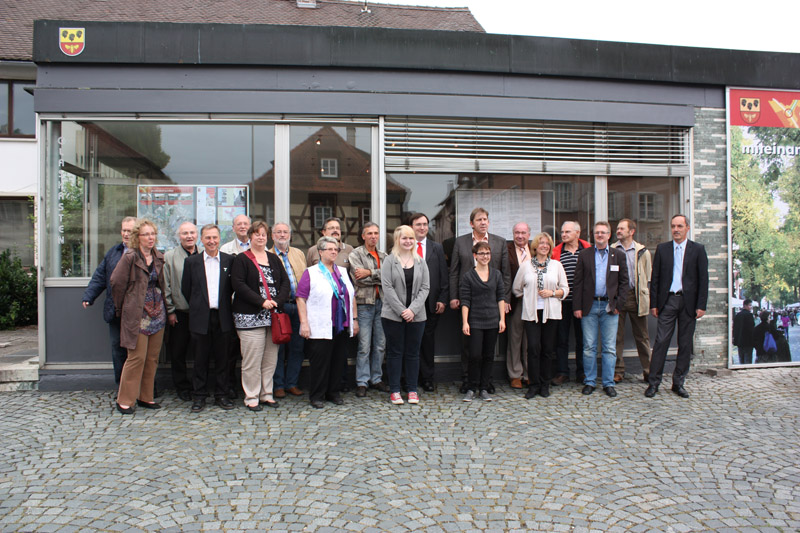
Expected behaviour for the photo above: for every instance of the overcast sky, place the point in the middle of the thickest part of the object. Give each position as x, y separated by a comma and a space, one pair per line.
746, 25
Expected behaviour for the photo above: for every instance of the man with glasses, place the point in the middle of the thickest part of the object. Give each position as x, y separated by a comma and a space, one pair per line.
101, 281
601, 287
332, 227
289, 355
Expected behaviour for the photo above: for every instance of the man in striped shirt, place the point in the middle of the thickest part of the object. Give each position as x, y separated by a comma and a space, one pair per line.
567, 254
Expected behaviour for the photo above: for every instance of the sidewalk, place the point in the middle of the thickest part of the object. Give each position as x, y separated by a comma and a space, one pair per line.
19, 359
726, 459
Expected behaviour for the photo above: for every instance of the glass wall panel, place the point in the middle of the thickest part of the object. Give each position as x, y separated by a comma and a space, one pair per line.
330, 175
650, 202
105, 162
544, 202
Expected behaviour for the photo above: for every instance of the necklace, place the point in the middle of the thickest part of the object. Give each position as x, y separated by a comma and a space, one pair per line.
407, 262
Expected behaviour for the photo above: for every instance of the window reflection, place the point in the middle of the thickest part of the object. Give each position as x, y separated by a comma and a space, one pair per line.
330, 176
110, 160
650, 202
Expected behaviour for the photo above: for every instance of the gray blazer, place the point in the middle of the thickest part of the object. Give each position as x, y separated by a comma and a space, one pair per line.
393, 281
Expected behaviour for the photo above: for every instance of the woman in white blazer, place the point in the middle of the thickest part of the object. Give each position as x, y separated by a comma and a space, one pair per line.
406, 284
542, 284
326, 304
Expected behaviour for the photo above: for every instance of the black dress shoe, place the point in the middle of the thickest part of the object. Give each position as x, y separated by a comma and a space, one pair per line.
531, 392
361, 391
381, 386
544, 391
316, 404
427, 386
337, 400
198, 405
124, 410
464, 387
490, 388
146, 405
680, 391
611, 392
587, 390
225, 403
185, 395
651, 390
257, 407
272, 404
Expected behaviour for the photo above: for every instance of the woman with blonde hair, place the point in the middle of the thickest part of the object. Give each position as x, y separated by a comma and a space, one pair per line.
406, 283
137, 287
542, 284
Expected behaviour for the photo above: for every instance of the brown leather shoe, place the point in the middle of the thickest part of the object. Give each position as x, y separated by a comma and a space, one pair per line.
618, 378
516, 383
279, 393
294, 391
560, 380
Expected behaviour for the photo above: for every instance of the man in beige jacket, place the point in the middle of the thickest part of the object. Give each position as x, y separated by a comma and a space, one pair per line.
637, 304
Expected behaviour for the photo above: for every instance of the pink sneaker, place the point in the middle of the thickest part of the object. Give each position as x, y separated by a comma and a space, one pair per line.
413, 397
395, 398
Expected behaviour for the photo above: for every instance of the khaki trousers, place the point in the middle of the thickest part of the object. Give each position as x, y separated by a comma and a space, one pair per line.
139, 372
517, 358
640, 335
259, 360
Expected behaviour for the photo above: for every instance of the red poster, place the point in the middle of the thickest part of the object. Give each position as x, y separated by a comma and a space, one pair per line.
771, 109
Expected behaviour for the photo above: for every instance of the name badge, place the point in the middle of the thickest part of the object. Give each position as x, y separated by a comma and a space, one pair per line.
614, 268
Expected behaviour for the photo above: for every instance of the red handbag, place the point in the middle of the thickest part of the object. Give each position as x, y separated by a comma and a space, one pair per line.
281, 324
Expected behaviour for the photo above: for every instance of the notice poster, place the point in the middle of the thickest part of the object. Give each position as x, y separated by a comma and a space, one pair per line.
764, 185
506, 208
170, 206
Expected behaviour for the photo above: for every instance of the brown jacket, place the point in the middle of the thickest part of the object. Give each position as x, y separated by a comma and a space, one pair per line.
128, 288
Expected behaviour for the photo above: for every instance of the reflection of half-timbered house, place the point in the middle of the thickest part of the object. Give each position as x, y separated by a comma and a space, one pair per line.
330, 177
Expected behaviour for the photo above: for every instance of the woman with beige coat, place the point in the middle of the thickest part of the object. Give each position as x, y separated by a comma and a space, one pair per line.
137, 287
542, 284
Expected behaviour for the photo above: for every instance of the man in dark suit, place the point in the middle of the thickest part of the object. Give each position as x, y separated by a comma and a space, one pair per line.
516, 358
206, 285
601, 287
462, 261
433, 254
679, 289
743, 326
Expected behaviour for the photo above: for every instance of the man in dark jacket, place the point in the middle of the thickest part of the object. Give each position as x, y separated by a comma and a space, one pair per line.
101, 281
601, 287
206, 285
743, 326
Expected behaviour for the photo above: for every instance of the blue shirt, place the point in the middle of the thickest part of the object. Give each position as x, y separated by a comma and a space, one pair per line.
600, 268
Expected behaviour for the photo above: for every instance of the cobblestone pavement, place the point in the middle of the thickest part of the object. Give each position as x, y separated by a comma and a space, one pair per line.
727, 459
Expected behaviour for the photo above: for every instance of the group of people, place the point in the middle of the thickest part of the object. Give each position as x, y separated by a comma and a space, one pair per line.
392, 304
769, 338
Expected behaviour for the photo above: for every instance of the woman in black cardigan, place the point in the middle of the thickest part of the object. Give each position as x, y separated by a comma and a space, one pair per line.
257, 292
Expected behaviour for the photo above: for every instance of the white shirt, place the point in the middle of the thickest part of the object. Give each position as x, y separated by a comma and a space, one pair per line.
212, 265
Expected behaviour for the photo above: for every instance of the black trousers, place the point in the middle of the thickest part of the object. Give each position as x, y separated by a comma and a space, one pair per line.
481, 357
211, 346
674, 312
426, 351
542, 342
177, 348
326, 359
562, 350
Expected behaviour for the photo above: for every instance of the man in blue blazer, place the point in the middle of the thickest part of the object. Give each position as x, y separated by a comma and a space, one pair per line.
206, 285
101, 281
433, 254
679, 290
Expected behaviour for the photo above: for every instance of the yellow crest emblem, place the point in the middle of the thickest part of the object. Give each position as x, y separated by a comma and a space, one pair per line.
71, 40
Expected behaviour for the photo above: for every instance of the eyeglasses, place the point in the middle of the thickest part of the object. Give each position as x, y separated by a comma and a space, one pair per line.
484, 253
332, 250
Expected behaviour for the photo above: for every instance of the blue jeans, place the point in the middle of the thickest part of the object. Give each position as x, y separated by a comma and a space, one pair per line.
294, 348
118, 353
599, 323
405, 338
371, 341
